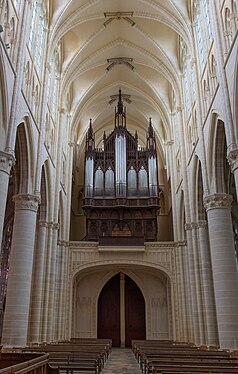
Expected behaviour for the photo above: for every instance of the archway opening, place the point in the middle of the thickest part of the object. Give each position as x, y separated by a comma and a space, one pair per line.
121, 311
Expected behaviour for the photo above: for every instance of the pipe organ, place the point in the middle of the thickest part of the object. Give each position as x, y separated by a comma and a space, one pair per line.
121, 195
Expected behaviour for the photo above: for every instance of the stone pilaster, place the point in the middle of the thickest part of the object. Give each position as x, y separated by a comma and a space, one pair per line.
16, 318
223, 259
207, 282
6, 163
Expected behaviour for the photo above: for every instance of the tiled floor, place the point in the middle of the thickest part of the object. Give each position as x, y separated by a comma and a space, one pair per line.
121, 361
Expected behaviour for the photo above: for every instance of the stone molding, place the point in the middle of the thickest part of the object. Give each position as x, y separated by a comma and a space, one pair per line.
83, 244
63, 243
26, 202
218, 200
149, 245
49, 225
7, 160
233, 159
180, 244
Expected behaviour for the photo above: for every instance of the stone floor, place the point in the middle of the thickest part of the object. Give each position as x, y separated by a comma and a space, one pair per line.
121, 361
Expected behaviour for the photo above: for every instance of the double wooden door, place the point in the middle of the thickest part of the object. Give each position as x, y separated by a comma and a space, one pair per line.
111, 304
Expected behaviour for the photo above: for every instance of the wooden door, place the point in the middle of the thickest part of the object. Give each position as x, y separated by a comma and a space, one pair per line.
134, 312
109, 311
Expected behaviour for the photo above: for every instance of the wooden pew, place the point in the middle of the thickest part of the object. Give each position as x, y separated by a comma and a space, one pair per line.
171, 357
87, 355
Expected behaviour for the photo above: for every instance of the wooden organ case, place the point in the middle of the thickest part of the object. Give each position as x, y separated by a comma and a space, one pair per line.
121, 197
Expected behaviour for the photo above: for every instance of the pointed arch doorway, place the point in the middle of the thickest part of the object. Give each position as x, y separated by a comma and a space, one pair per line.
121, 311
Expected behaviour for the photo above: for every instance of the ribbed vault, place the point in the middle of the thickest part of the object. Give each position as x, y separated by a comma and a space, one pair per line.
106, 45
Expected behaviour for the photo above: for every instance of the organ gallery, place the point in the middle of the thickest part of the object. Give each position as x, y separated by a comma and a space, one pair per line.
121, 199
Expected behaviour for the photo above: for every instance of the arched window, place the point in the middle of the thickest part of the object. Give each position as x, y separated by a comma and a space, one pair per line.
37, 33
203, 29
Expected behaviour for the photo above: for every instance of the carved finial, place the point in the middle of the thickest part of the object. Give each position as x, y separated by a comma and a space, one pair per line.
90, 129
120, 103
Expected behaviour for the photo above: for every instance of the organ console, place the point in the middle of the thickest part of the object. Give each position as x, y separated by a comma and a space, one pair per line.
121, 194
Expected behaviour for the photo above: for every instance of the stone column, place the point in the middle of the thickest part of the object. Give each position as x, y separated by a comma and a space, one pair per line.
197, 270
208, 288
15, 325
192, 286
59, 291
225, 275
6, 163
37, 289
181, 279
51, 280
46, 285
66, 312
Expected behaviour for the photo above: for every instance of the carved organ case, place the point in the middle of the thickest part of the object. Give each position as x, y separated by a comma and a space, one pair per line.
121, 200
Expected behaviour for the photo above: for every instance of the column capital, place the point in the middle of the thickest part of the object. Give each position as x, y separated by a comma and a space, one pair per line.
188, 226
202, 224
194, 225
56, 226
218, 200
43, 224
7, 160
232, 158
26, 202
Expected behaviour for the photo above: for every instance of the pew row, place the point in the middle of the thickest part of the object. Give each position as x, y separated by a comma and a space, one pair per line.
171, 357
78, 355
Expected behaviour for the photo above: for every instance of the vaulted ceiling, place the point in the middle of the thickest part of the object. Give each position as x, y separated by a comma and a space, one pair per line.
127, 44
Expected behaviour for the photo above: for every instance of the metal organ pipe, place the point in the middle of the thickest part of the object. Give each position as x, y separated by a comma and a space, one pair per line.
120, 159
89, 167
152, 176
